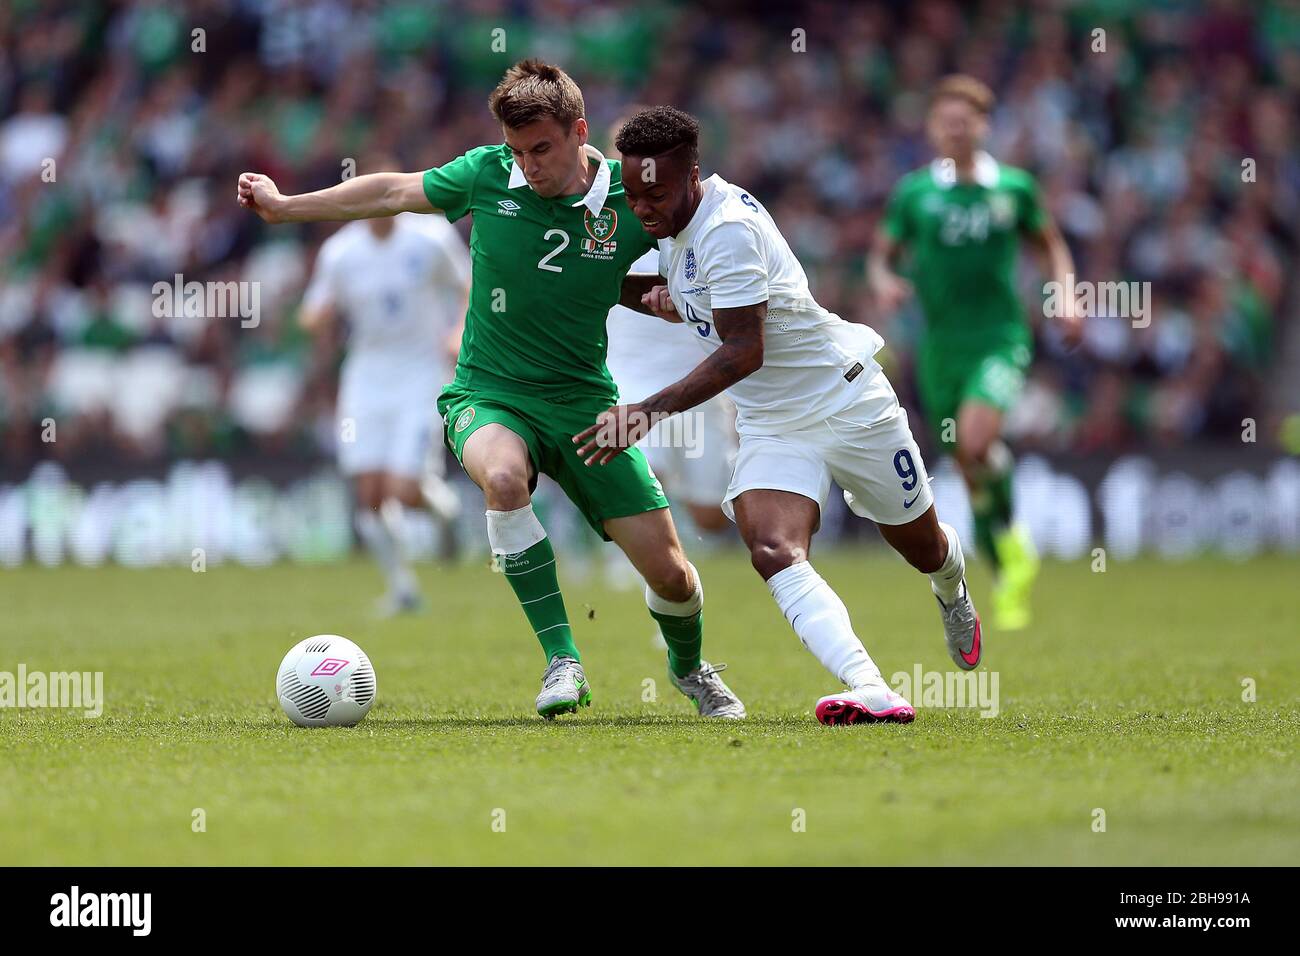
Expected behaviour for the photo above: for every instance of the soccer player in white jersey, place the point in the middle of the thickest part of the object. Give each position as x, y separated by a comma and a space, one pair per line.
401, 283
813, 404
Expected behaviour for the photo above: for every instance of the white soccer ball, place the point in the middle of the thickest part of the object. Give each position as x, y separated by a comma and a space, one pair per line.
326, 681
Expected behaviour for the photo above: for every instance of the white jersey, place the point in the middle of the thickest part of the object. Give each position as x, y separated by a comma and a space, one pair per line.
647, 354
731, 254
401, 294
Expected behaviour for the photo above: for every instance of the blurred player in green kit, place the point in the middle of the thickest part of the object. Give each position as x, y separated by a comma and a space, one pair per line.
960, 221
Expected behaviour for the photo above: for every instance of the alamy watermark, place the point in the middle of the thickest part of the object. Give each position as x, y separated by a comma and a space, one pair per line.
74, 908
949, 689
208, 300
1123, 300
683, 430
78, 690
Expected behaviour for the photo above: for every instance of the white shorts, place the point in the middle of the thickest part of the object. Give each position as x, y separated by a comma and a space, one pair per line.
693, 453
867, 448
393, 437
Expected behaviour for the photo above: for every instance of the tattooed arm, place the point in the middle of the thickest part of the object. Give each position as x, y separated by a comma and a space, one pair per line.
741, 354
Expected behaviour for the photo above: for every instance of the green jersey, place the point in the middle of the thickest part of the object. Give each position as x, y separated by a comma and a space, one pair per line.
545, 273
963, 238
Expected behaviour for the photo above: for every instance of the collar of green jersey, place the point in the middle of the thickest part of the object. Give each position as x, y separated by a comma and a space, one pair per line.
596, 195
985, 173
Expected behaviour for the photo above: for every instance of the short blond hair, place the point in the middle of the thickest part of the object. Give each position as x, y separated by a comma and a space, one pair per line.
532, 90
959, 86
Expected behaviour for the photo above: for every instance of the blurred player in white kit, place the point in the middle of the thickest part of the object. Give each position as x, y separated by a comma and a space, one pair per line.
401, 284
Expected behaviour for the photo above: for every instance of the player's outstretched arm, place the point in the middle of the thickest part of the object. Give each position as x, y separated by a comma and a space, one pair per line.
740, 355
363, 197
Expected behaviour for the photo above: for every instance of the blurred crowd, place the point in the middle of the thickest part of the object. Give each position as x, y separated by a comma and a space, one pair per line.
1164, 134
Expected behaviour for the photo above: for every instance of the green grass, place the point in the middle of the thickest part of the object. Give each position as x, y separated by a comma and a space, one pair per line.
1125, 696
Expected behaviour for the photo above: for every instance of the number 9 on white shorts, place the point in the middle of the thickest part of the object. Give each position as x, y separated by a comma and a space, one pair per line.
867, 448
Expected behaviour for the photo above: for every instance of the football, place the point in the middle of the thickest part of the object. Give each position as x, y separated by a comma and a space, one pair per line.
326, 681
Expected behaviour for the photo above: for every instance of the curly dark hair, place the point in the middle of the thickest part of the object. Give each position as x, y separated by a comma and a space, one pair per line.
659, 130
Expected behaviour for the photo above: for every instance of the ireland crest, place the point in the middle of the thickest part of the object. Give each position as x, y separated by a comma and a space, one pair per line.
601, 227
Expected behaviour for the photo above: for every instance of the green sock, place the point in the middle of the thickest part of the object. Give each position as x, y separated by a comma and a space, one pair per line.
531, 574
999, 487
991, 505
684, 637
983, 511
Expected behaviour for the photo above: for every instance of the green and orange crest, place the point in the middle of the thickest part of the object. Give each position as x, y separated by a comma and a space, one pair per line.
601, 227
465, 418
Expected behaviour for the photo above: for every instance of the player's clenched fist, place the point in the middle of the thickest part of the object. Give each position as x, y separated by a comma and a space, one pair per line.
259, 193
660, 303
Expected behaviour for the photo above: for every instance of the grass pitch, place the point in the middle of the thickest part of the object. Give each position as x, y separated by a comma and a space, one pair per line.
1125, 697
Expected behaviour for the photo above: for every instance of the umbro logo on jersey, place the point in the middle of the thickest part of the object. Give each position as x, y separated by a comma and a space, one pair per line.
508, 207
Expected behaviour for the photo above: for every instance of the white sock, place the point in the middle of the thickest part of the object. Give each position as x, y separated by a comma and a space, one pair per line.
821, 620
946, 582
510, 532
380, 540
692, 605
393, 515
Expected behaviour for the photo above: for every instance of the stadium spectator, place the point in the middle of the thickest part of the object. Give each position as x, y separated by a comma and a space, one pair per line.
1171, 157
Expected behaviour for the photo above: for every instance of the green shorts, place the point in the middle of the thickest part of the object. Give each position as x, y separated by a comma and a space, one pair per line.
625, 486
994, 377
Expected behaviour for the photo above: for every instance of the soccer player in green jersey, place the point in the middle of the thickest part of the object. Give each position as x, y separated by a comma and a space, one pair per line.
552, 239
961, 220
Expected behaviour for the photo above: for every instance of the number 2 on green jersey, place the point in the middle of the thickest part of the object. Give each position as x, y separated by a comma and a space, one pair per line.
545, 261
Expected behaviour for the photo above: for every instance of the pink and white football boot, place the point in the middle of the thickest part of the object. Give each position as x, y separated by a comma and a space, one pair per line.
868, 704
